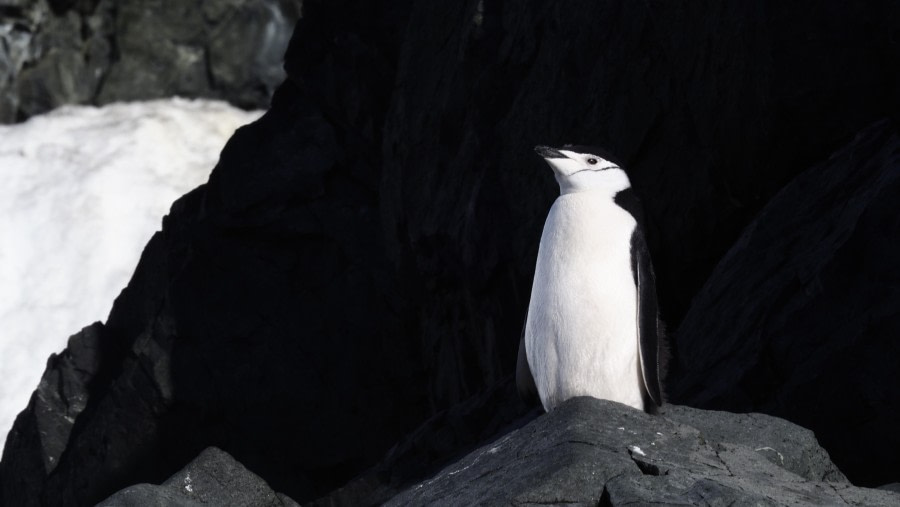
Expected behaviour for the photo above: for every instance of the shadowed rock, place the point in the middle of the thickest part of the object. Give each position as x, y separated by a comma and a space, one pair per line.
443, 438
41, 432
213, 478
261, 312
801, 319
595, 452
360, 260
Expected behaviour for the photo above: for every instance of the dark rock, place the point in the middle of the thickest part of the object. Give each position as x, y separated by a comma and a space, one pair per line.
60, 55
57, 79
446, 436
14, 52
800, 318
596, 452
264, 362
213, 478
100, 51
141, 495
41, 432
229, 50
787, 445
360, 260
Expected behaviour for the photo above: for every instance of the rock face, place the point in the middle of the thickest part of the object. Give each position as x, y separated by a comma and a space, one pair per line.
263, 362
213, 478
360, 260
56, 52
800, 319
441, 439
594, 452
42, 431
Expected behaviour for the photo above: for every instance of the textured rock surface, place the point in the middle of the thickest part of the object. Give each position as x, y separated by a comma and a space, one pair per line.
446, 436
213, 478
100, 51
593, 452
801, 318
42, 430
360, 260
787, 445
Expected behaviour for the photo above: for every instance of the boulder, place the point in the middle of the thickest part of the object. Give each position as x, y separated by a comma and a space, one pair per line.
597, 452
42, 430
212, 478
800, 318
443, 438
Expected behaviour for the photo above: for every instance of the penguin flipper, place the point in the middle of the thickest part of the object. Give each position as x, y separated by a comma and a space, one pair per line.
649, 326
524, 379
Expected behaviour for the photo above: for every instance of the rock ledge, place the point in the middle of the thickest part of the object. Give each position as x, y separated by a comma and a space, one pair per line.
590, 452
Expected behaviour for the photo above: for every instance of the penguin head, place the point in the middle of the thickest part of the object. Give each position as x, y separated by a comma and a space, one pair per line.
584, 169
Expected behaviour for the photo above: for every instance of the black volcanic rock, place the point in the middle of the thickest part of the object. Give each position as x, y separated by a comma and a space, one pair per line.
787, 445
360, 260
240, 327
213, 478
443, 438
595, 452
467, 426
801, 318
100, 51
42, 431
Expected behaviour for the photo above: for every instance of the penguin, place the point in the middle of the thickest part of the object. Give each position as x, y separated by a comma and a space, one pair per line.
593, 326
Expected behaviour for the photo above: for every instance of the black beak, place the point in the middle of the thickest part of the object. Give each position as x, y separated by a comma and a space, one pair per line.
548, 152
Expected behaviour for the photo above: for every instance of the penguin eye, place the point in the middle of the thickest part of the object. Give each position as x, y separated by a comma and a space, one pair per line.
592, 161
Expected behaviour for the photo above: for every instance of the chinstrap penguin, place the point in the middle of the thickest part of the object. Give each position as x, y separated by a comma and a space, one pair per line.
592, 327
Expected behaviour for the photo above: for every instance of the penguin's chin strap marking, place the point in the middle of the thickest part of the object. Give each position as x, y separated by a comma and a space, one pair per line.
594, 170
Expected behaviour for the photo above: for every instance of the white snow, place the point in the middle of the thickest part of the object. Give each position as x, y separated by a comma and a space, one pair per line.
82, 189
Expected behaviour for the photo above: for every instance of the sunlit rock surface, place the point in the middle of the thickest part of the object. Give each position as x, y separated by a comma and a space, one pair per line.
593, 452
57, 52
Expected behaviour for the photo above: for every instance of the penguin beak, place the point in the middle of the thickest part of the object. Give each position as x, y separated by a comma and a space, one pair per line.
548, 152
561, 164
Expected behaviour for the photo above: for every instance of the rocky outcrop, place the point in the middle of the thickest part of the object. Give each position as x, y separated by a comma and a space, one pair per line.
446, 436
360, 260
42, 431
713, 105
304, 281
55, 52
800, 319
213, 478
595, 452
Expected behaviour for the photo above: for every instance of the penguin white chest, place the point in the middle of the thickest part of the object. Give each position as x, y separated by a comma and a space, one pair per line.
581, 331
